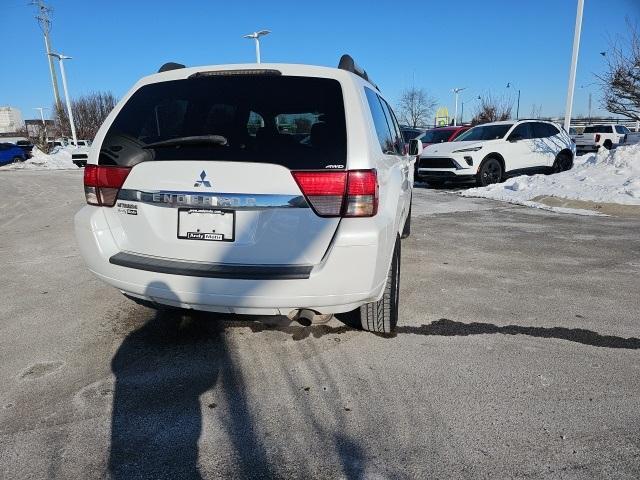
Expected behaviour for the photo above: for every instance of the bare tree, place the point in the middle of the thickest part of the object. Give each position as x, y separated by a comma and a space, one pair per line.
492, 109
36, 136
536, 111
415, 107
89, 111
621, 81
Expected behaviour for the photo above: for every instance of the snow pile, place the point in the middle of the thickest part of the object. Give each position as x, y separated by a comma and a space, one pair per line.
605, 177
58, 159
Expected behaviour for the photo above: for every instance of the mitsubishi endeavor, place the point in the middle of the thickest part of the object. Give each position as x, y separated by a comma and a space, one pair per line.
269, 189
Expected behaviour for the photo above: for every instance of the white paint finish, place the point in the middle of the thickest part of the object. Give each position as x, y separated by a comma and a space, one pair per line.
351, 257
528, 153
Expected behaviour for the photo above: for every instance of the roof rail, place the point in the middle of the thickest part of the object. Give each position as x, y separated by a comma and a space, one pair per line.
170, 66
348, 63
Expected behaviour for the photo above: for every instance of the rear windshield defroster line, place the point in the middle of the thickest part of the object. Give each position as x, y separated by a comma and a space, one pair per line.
296, 122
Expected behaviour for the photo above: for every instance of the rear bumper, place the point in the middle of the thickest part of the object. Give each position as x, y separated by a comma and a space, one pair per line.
591, 148
349, 276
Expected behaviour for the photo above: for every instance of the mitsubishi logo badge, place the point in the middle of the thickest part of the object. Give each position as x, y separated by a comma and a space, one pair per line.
202, 182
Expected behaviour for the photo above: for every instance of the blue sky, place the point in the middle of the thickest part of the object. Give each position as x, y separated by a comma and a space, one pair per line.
438, 45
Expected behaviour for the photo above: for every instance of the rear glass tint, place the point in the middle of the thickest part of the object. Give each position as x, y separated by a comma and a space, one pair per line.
297, 122
436, 136
598, 129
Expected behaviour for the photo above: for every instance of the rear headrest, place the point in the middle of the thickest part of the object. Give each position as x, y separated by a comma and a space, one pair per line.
320, 135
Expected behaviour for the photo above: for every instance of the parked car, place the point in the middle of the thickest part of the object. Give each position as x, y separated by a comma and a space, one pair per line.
409, 133
55, 143
11, 153
26, 146
572, 134
489, 153
441, 134
79, 156
596, 136
187, 208
81, 143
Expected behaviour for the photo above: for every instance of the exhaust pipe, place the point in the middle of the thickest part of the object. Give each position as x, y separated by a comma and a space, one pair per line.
306, 317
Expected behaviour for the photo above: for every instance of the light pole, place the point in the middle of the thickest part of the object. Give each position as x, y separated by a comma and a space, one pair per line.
574, 65
462, 110
456, 91
585, 86
256, 36
44, 124
509, 85
44, 20
61, 59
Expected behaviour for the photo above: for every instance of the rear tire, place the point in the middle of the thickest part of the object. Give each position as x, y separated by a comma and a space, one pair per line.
18, 159
490, 172
382, 316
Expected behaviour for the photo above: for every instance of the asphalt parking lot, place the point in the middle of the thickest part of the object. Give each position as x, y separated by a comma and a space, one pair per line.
517, 356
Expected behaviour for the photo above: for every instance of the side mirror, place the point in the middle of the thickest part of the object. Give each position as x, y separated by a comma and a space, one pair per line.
415, 147
515, 138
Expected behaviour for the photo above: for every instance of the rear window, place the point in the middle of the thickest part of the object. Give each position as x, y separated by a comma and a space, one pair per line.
599, 129
543, 130
297, 122
436, 136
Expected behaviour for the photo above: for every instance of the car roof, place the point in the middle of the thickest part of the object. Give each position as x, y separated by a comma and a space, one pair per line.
291, 69
450, 127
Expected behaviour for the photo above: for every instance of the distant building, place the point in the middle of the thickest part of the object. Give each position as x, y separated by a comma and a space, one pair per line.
10, 120
34, 127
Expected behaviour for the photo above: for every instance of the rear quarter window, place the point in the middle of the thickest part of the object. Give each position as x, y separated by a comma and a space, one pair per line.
297, 122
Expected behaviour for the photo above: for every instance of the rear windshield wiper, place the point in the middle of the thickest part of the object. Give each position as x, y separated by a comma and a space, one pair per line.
194, 140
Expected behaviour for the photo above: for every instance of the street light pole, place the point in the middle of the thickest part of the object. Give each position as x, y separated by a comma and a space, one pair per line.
574, 65
455, 115
61, 59
256, 37
462, 114
44, 20
509, 85
44, 124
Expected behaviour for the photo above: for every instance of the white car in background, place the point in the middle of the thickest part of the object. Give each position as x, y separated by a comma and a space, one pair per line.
595, 137
491, 152
195, 199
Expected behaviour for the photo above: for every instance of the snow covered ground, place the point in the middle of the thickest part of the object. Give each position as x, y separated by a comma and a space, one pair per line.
58, 160
607, 177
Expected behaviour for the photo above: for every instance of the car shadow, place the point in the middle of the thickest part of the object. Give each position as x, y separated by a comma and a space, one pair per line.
450, 328
450, 186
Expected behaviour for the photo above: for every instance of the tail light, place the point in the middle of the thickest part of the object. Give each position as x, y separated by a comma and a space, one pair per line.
362, 194
352, 193
597, 137
102, 184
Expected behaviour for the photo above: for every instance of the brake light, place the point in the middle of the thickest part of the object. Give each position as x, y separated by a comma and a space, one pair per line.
323, 190
102, 184
332, 194
597, 137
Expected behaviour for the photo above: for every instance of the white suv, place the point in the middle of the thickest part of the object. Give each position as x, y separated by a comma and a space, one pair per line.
253, 189
491, 152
